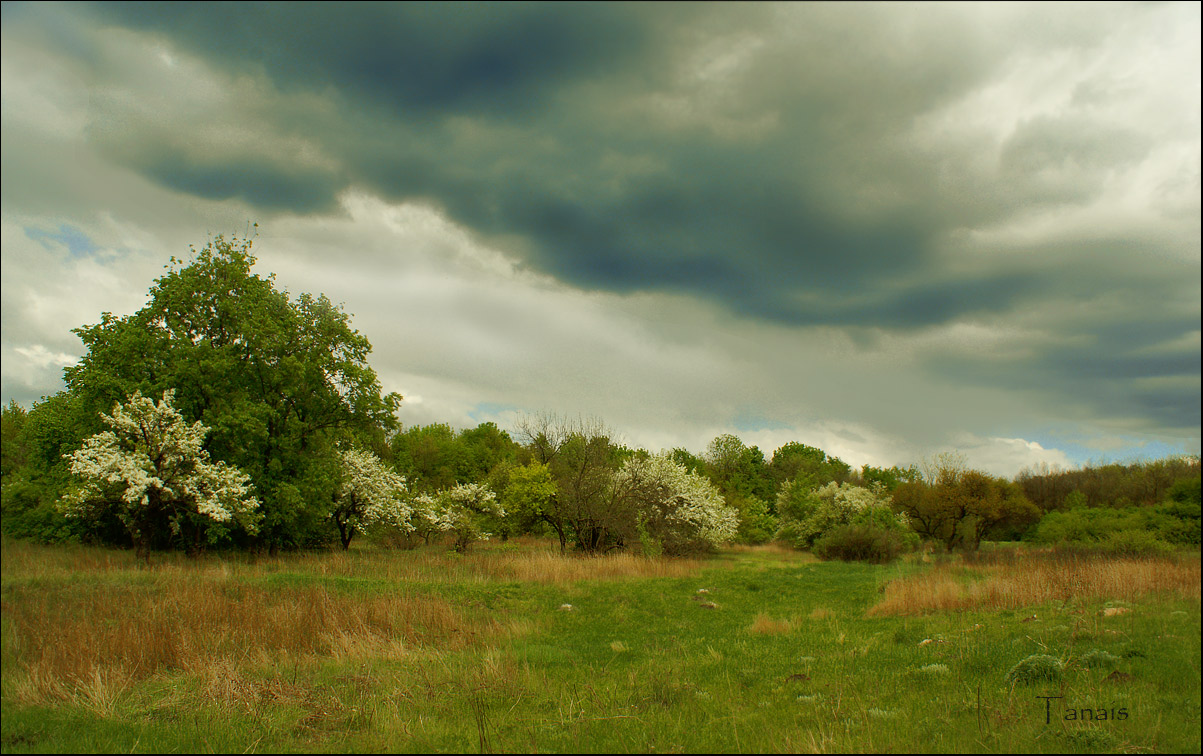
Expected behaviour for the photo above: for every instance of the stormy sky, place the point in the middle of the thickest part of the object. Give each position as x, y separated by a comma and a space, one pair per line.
884, 230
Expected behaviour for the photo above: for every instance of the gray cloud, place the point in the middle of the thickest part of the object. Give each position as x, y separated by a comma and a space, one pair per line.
888, 171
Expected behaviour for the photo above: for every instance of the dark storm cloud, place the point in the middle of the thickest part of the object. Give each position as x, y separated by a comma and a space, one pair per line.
417, 59
763, 157
487, 111
1147, 370
260, 183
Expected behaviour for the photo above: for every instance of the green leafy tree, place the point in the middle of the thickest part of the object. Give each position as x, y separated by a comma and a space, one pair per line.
888, 478
737, 469
13, 451
795, 460
279, 381
529, 496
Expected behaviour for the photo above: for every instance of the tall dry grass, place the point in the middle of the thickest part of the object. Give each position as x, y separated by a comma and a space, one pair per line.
521, 561
1015, 580
84, 623
64, 638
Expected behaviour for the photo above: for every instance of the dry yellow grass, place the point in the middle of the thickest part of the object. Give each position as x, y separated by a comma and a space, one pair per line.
1037, 578
485, 564
85, 623
764, 624
525, 560
72, 638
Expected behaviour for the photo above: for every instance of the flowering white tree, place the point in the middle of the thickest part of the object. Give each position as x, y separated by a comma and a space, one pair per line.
153, 468
369, 493
676, 511
809, 513
459, 510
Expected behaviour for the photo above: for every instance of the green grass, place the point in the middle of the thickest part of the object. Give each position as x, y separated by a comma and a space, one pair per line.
423, 651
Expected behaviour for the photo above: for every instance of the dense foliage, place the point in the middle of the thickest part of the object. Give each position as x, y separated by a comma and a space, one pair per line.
152, 472
284, 438
278, 381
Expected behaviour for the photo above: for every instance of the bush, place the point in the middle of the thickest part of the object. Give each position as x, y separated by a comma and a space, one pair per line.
808, 514
860, 543
1036, 668
1096, 659
1144, 530
756, 524
1136, 543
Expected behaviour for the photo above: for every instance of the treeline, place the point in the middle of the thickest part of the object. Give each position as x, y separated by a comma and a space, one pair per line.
1111, 485
228, 414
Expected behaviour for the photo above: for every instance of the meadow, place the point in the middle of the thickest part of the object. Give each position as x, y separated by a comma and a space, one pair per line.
513, 647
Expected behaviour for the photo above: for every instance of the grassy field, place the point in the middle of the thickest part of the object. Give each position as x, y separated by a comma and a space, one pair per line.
515, 648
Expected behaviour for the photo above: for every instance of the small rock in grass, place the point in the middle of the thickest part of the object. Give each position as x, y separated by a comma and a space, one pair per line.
566, 607
1112, 611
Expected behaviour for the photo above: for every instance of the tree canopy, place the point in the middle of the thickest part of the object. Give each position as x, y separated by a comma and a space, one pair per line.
279, 381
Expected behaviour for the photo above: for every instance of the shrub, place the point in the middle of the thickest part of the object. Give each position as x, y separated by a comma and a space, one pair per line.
1036, 668
1096, 659
860, 543
756, 524
1136, 543
807, 514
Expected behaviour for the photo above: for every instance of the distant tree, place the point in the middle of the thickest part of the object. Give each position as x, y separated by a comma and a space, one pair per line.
431, 457
582, 460
368, 494
672, 510
738, 470
957, 506
794, 460
13, 452
808, 512
1144, 483
888, 478
152, 470
459, 510
486, 446
529, 496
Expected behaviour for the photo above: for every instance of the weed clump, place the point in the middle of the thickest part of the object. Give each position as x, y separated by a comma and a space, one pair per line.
1036, 668
1096, 659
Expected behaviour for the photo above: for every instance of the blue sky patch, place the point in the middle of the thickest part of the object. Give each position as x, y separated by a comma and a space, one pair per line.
77, 242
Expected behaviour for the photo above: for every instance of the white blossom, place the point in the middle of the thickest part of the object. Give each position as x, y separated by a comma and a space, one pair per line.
458, 510
157, 459
371, 493
686, 502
